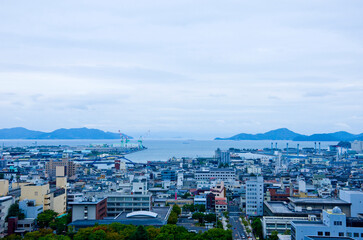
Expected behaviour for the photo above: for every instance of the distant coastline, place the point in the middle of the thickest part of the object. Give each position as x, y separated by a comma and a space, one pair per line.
286, 134
62, 133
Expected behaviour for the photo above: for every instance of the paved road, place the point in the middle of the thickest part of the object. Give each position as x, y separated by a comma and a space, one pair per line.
237, 228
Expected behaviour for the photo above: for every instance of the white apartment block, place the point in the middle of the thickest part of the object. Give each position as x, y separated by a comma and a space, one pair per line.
254, 197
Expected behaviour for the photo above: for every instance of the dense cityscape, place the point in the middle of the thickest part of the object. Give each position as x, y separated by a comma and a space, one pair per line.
96, 192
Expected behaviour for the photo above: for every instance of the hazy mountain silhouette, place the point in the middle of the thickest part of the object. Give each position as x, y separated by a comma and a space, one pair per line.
72, 133
286, 134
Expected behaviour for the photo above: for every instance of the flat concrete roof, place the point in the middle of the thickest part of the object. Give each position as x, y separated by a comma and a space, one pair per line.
319, 201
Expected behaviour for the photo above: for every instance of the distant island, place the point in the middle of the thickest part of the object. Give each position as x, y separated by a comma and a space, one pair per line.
62, 133
286, 134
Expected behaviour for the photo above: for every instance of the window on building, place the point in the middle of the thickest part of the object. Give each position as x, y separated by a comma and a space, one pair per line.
327, 234
320, 233
356, 235
341, 234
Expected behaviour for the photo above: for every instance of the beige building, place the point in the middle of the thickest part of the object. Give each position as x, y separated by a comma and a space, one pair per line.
53, 199
4, 187
69, 166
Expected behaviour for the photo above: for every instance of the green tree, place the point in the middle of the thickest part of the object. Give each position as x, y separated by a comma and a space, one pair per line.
176, 209
37, 234
140, 234
186, 195
173, 218
99, 234
152, 232
200, 216
60, 224
217, 233
189, 207
257, 228
13, 237
273, 236
46, 218
200, 207
287, 232
14, 211
211, 217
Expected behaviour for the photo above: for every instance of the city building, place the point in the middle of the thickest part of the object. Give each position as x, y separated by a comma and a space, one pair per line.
221, 204
200, 199
278, 224
357, 146
223, 174
157, 217
30, 209
127, 203
89, 209
4, 187
168, 175
54, 199
355, 198
223, 157
334, 224
51, 167
5, 203
320, 204
254, 196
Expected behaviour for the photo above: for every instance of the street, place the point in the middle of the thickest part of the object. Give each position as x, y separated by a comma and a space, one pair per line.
237, 228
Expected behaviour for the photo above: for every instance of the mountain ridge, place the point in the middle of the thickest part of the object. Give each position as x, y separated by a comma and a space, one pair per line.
286, 134
62, 133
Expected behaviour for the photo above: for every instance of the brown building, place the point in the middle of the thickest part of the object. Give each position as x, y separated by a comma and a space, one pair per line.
51, 167
277, 194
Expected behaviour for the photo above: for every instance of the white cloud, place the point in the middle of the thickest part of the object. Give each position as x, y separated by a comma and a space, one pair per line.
208, 67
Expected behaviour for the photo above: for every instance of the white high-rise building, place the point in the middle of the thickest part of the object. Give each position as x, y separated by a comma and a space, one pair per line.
180, 179
254, 197
357, 146
355, 198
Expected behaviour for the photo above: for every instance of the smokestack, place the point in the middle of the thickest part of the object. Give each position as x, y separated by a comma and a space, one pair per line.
319, 149
298, 149
287, 148
315, 147
276, 145
272, 146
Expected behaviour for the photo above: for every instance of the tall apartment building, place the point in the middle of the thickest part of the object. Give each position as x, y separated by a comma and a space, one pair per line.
127, 203
254, 196
224, 174
223, 156
51, 167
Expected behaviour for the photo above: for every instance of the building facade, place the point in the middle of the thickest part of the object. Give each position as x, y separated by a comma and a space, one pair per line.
127, 203
254, 196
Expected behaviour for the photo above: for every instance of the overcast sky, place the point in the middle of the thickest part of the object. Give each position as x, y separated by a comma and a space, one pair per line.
197, 69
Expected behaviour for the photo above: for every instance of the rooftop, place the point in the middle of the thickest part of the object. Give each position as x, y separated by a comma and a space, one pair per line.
319, 201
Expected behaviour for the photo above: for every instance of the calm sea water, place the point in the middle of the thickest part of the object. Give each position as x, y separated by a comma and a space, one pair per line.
165, 149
